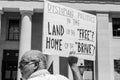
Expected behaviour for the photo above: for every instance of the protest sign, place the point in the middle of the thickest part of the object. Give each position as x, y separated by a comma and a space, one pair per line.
66, 29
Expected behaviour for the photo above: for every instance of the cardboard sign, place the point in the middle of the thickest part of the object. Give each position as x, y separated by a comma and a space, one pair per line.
66, 29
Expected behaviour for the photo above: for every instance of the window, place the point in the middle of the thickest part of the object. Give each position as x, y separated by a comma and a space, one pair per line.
116, 27
116, 69
88, 65
13, 29
89, 70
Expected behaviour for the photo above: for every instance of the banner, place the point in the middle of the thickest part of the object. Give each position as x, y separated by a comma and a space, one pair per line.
66, 29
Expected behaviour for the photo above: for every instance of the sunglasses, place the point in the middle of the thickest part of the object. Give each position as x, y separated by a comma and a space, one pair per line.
24, 63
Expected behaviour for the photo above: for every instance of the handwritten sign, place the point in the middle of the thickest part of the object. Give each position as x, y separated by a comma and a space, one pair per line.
66, 29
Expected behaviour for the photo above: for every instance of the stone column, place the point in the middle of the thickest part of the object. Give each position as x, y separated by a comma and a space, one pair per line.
1, 12
26, 31
103, 47
1, 55
25, 36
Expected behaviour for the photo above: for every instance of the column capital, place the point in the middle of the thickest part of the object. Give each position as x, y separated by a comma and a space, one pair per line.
28, 12
1, 11
103, 14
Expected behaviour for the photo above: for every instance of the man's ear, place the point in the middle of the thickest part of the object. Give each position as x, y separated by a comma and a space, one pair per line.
36, 65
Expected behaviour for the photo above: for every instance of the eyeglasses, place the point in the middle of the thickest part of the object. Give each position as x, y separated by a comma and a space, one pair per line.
24, 63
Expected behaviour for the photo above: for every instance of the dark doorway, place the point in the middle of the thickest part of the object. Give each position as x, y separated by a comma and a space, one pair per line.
9, 64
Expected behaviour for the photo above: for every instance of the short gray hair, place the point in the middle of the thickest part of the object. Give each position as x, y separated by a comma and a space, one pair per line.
33, 55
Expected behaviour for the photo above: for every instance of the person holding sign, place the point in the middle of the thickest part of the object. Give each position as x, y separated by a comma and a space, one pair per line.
76, 70
33, 67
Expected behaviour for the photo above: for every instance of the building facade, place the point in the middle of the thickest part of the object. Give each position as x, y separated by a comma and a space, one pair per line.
21, 24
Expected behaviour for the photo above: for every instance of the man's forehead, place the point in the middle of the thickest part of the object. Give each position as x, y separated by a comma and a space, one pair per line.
29, 58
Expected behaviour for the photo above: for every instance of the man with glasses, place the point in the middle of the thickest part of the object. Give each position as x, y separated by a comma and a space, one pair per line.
33, 67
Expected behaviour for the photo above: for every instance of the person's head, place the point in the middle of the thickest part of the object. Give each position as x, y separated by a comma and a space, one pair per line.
32, 61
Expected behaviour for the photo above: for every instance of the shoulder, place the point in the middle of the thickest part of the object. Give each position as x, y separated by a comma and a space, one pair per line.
61, 77
50, 77
38, 78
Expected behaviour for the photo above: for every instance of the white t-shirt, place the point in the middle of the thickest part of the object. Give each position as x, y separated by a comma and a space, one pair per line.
45, 75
